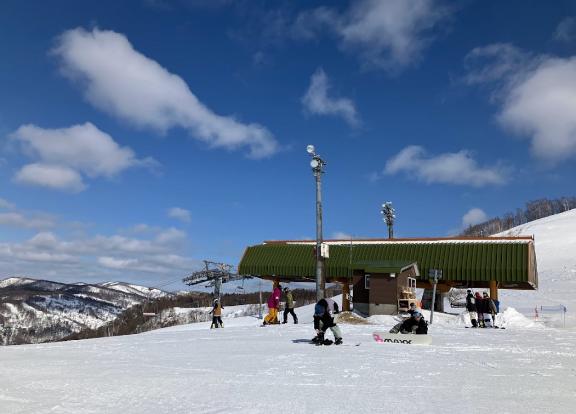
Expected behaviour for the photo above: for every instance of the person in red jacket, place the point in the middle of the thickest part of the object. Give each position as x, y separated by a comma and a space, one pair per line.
273, 305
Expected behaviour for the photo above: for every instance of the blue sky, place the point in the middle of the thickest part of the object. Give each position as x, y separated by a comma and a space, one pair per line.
138, 138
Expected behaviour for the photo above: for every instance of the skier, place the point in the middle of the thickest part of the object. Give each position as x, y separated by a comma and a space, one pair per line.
323, 320
471, 308
217, 315
273, 305
415, 324
289, 307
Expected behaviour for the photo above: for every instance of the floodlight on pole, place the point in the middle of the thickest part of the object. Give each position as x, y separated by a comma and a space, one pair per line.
389, 216
317, 165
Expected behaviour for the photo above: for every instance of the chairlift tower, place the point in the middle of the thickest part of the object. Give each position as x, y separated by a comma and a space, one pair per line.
215, 274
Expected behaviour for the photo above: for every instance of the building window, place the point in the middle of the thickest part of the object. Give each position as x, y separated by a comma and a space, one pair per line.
367, 281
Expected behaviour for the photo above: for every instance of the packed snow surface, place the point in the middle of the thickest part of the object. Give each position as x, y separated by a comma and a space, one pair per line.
245, 368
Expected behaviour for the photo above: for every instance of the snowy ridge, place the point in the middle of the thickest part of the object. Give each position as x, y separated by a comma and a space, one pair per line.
34, 311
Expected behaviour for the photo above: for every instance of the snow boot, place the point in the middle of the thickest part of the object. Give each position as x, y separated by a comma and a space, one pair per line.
326, 342
318, 339
338, 341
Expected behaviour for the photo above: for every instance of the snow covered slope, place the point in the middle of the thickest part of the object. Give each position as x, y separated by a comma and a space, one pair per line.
245, 368
555, 242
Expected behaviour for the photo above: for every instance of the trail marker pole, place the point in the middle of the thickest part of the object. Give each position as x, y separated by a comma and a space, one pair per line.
436, 274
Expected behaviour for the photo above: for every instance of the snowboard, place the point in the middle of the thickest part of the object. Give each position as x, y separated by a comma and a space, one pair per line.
406, 339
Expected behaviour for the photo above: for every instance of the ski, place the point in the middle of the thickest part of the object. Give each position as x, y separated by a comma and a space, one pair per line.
404, 339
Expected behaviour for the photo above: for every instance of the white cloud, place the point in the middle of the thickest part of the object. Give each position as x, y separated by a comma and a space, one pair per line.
54, 177
67, 153
389, 34
339, 235
449, 168
566, 30
536, 94
125, 83
473, 216
171, 237
179, 214
99, 257
316, 100
6, 204
84, 148
115, 263
16, 219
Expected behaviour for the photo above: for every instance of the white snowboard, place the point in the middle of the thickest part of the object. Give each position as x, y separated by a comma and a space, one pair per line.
406, 339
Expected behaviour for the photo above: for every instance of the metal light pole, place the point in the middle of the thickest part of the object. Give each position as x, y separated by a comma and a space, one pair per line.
317, 165
389, 215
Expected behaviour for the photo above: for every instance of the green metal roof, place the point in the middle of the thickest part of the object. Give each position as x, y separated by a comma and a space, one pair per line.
383, 266
505, 261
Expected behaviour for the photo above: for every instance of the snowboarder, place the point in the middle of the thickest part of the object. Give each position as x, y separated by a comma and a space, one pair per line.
471, 308
289, 307
217, 315
273, 305
415, 324
413, 309
404, 316
323, 320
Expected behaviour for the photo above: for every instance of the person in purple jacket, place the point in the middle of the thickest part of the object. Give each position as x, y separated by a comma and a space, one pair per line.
273, 305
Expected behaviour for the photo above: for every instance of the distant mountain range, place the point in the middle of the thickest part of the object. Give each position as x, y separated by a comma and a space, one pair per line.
36, 311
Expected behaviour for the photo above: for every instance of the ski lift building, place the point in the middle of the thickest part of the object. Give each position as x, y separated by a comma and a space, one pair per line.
466, 262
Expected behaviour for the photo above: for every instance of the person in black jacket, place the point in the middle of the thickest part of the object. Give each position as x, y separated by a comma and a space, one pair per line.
471, 308
323, 320
415, 324
480, 309
491, 308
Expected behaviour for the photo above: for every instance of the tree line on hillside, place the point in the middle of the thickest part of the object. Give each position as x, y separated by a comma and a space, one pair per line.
534, 210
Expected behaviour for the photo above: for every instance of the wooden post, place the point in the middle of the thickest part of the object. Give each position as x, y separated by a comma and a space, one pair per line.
345, 296
494, 290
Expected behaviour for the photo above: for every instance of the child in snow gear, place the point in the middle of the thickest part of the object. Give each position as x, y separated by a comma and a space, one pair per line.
289, 308
217, 315
415, 324
471, 308
273, 305
323, 320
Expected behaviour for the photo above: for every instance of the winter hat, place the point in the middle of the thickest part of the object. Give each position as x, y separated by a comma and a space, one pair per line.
417, 314
469, 291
